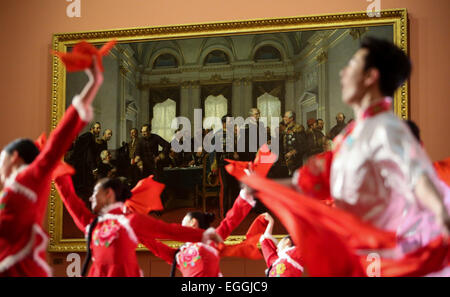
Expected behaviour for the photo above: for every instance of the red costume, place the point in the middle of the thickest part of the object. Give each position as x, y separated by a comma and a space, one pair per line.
196, 259
284, 264
443, 170
116, 235
23, 201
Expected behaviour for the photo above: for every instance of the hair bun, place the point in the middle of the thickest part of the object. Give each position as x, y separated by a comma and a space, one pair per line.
209, 217
126, 193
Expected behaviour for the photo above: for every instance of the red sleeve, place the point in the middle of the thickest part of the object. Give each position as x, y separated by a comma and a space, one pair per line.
234, 217
75, 206
160, 249
58, 143
269, 251
12, 225
147, 227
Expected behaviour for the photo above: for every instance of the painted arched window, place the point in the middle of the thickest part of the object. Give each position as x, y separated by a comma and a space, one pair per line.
269, 106
163, 114
216, 57
267, 53
217, 107
165, 61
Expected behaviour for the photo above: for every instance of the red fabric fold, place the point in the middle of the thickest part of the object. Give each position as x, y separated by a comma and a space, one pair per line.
248, 248
443, 170
329, 238
261, 165
146, 196
62, 168
430, 258
80, 57
355, 232
323, 252
314, 177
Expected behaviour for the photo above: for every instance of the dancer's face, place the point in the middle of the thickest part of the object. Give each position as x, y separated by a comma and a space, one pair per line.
353, 78
284, 244
100, 198
6, 164
189, 222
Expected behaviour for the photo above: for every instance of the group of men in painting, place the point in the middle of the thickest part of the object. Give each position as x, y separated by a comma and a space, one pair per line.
149, 153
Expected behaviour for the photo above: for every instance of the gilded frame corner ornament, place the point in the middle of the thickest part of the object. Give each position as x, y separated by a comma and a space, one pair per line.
398, 18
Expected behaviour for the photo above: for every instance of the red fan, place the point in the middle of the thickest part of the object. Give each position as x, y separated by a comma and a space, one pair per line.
80, 57
443, 170
146, 196
249, 247
261, 165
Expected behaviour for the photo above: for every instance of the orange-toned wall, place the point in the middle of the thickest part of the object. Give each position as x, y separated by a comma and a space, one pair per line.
26, 28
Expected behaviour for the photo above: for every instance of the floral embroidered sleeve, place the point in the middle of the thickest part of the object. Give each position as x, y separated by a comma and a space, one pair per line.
241, 207
75, 206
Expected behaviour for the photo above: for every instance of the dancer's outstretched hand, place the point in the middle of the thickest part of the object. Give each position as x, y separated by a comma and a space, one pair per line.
247, 189
268, 217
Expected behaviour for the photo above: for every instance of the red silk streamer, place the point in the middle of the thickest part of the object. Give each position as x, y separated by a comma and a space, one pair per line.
80, 57
314, 177
146, 196
249, 247
443, 170
261, 165
430, 258
329, 237
326, 237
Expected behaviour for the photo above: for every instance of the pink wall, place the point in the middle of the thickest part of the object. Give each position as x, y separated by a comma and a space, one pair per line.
26, 29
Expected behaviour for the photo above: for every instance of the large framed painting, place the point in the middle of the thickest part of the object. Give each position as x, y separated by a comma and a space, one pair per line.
156, 74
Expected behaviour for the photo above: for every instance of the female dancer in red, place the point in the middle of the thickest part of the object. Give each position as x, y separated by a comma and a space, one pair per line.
25, 176
282, 258
112, 235
197, 259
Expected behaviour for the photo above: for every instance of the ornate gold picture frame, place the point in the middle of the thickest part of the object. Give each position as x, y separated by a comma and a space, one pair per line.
337, 27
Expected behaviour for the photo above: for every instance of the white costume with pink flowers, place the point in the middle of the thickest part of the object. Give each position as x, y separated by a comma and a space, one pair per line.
373, 176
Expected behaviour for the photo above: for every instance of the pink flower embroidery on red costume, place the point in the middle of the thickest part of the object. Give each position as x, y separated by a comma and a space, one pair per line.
2, 204
280, 268
106, 233
190, 255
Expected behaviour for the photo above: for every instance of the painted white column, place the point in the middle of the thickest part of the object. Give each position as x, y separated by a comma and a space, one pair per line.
195, 101
185, 102
323, 110
299, 89
247, 101
289, 103
236, 99
143, 115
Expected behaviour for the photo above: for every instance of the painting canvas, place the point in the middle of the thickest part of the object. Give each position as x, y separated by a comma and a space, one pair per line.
156, 76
